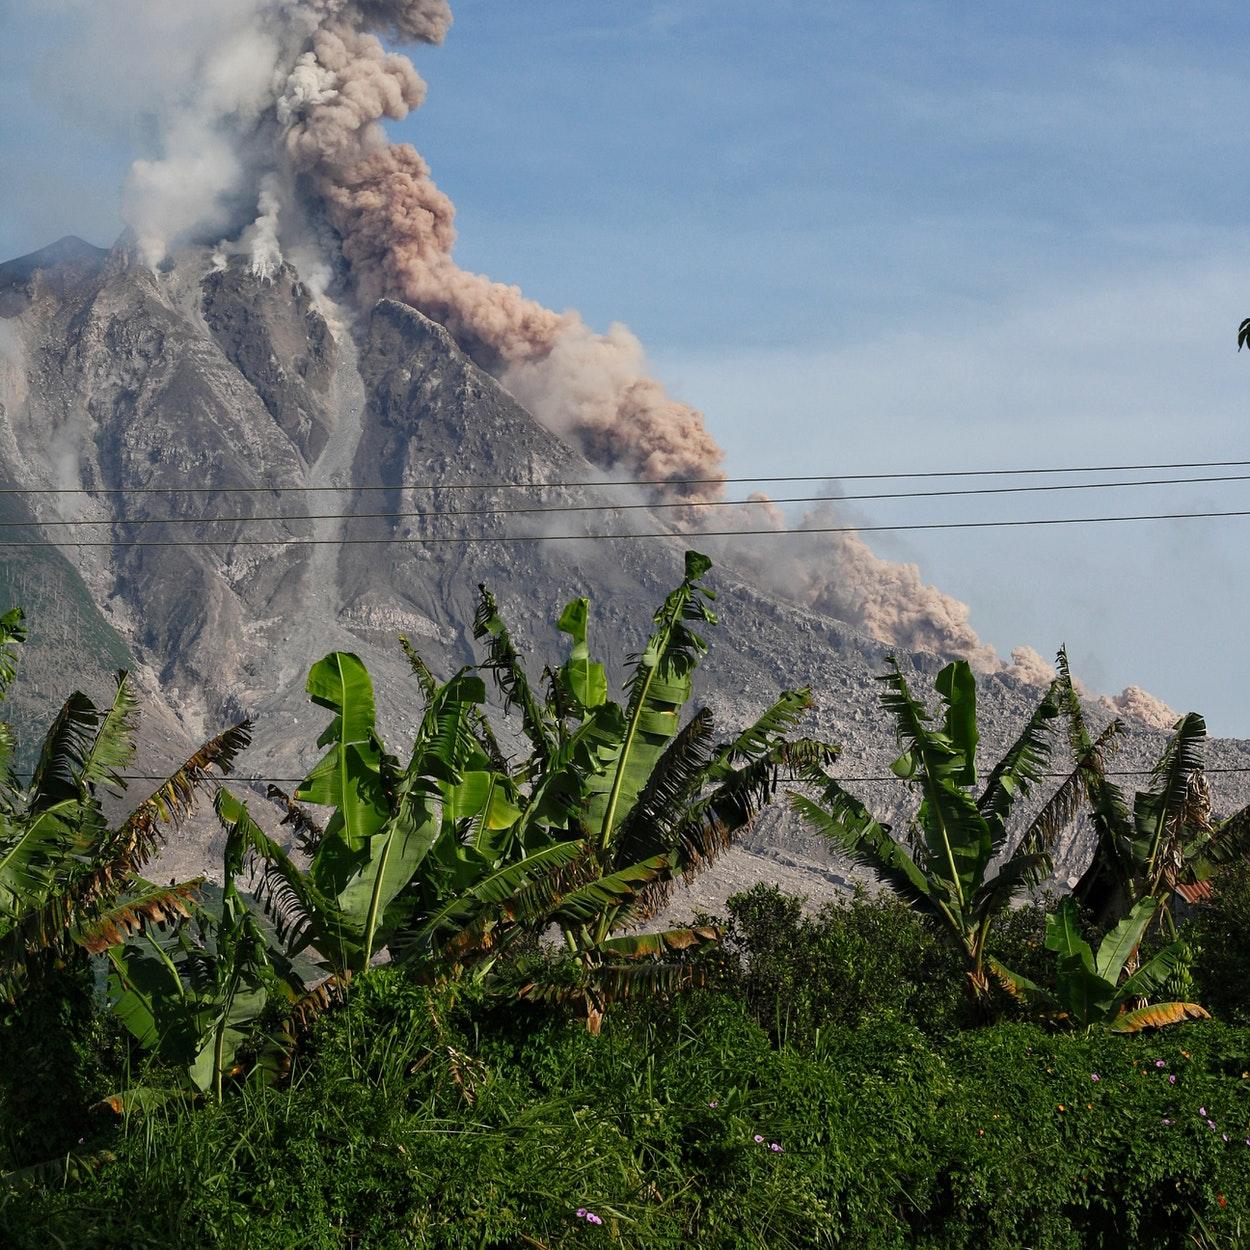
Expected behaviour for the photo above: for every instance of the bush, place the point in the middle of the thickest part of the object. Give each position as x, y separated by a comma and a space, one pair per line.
848, 963
859, 960
58, 1055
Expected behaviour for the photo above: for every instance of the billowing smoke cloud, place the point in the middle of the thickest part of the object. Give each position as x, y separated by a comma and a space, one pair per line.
1030, 667
1141, 705
268, 117
1132, 702
839, 574
396, 231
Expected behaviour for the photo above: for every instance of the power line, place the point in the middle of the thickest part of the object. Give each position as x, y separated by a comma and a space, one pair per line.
257, 781
622, 507
598, 483
464, 540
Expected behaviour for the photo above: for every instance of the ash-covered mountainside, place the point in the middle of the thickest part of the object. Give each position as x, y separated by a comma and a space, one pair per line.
209, 380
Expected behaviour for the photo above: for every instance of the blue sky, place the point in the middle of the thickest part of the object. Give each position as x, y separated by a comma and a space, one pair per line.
861, 237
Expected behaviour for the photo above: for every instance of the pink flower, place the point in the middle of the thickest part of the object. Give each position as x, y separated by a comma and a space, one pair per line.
1160, 1064
1202, 1111
1093, 1076
1172, 1079
1169, 1122
713, 1103
775, 1147
757, 1138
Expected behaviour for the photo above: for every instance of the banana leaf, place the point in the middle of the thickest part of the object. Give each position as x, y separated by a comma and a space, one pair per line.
347, 777
659, 688
582, 678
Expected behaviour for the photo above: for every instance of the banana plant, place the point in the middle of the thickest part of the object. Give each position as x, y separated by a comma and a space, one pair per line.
461, 854
393, 841
1092, 991
943, 861
69, 878
648, 797
1165, 841
208, 996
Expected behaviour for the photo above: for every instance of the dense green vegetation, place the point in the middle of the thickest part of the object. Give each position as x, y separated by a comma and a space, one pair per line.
955, 1063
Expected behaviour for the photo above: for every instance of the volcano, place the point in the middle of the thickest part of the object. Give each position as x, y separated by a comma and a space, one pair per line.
201, 392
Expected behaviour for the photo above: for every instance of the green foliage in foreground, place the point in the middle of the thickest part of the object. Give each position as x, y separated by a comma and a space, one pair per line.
826, 1091
414, 1118
460, 856
417, 1122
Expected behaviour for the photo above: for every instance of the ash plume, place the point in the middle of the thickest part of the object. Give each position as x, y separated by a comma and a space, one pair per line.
269, 127
841, 576
1141, 705
397, 234
1030, 667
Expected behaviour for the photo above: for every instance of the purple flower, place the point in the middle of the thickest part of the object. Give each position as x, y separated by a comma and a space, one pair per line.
1169, 1122
1202, 1111
1160, 1064
714, 1103
1172, 1079
1093, 1076
758, 1138
592, 1218
581, 1213
775, 1147
1224, 1136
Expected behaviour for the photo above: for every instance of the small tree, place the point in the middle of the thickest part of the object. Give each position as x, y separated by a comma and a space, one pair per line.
69, 878
942, 860
211, 993
1166, 840
462, 854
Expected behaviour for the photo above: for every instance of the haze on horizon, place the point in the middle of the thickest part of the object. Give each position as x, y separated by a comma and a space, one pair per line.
860, 241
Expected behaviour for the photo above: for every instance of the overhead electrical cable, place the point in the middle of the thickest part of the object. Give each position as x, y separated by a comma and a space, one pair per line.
597, 483
622, 507
466, 539
891, 777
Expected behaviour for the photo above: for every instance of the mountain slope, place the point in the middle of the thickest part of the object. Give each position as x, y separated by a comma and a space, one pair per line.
206, 376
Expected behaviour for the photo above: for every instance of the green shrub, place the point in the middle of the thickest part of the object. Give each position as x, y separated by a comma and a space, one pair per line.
858, 960
1219, 933
58, 1055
